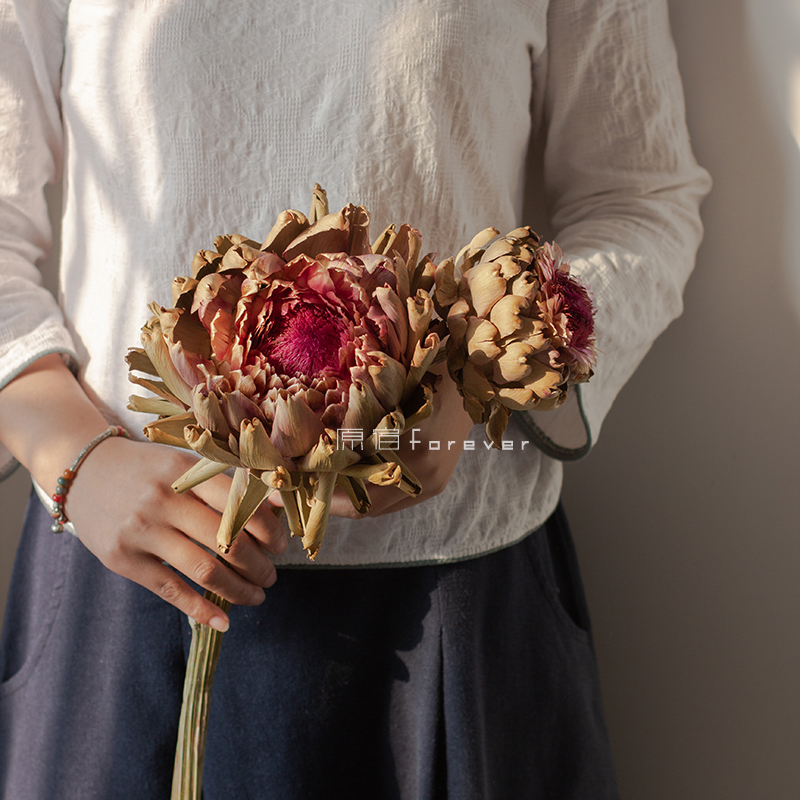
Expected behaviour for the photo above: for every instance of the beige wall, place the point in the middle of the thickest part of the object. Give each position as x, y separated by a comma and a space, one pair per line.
686, 514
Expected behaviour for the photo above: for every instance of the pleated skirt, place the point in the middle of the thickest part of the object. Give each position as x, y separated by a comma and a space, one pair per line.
473, 680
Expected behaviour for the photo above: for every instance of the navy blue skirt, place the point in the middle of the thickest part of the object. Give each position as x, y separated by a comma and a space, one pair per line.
474, 680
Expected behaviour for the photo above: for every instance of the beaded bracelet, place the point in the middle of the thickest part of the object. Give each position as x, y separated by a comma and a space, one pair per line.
65, 481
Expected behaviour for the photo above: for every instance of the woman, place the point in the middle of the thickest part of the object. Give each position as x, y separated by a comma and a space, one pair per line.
459, 664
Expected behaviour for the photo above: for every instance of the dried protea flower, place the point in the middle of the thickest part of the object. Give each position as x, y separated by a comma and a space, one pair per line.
271, 351
521, 329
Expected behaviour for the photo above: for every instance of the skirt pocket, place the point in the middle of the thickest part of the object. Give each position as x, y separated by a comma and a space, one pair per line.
555, 565
34, 597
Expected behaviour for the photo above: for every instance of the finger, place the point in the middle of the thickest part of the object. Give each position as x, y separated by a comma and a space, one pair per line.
208, 571
200, 523
165, 583
381, 498
248, 559
267, 529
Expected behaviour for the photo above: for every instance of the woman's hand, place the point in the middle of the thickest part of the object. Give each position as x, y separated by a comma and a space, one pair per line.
450, 425
121, 501
125, 512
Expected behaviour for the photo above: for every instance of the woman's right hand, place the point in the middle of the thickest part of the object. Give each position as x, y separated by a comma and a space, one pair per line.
122, 504
125, 511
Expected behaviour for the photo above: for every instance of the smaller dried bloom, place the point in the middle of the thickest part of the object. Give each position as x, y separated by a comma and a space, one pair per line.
521, 329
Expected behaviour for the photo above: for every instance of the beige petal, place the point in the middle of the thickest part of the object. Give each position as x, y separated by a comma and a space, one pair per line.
457, 323
256, 450
403, 278
289, 225
159, 388
355, 489
517, 398
320, 507
182, 289
525, 285
486, 287
446, 281
388, 378
496, 424
203, 470
390, 427
534, 332
363, 408
139, 361
476, 383
154, 405
509, 267
408, 483
499, 248
327, 235
423, 276
358, 234
157, 351
170, 430
385, 240
381, 474
295, 428
246, 494
202, 442
419, 406
543, 379
420, 311
208, 412
396, 313
423, 359
319, 204
505, 314
234, 260
280, 479
227, 241
290, 505
513, 365
328, 456
481, 341
478, 241
205, 262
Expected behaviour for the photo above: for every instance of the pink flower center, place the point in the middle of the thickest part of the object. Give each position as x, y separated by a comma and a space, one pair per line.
578, 309
306, 341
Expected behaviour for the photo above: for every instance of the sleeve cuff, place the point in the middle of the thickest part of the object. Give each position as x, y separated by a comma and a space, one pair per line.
564, 433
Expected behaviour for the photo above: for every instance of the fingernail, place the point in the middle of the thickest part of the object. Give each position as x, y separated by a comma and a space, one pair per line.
257, 597
219, 624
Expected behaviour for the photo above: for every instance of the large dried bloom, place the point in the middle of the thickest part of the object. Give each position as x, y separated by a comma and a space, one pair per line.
272, 352
521, 329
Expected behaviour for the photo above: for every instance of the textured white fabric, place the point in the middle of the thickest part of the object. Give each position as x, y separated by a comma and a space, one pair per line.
177, 120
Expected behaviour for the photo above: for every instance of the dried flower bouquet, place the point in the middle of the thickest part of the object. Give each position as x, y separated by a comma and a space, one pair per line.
271, 352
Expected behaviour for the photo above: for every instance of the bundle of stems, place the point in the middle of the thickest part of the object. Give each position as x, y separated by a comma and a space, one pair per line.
187, 776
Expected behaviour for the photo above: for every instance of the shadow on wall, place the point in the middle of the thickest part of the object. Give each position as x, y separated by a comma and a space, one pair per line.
686, 513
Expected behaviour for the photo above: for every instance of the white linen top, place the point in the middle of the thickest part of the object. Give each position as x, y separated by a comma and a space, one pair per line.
172, 121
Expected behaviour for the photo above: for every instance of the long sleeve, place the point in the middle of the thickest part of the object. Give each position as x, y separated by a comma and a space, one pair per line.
31, 141
623, 187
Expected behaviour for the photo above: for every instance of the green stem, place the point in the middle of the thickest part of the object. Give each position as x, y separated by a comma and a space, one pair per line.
187, 777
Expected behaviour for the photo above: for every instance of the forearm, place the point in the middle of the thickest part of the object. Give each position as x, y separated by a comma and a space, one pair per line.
46, 418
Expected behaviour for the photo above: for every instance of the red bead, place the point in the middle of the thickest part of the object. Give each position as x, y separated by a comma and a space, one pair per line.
58, 498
